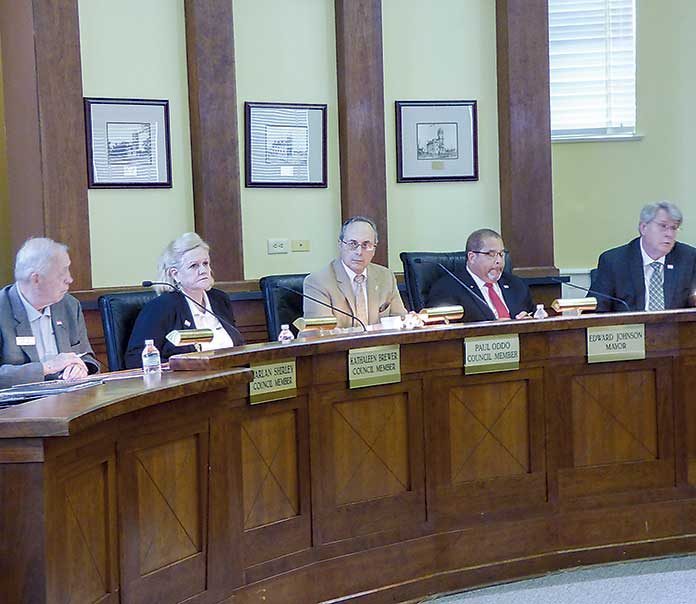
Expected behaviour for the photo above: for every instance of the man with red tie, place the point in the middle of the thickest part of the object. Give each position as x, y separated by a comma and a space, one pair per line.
489, 293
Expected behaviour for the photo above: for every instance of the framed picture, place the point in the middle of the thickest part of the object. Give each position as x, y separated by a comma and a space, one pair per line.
128, 144
285, 145
436, 141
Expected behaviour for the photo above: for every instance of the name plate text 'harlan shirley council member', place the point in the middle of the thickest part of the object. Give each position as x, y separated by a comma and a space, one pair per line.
273, 381
615, 343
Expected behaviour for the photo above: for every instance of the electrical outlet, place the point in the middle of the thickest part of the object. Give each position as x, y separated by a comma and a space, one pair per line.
299, 245
277, 246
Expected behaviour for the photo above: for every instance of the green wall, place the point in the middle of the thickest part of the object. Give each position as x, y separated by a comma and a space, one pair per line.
438, 51
599, 188
6, 260
137, 49
285, 52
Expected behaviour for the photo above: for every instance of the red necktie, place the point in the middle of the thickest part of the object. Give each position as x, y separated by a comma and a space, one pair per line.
497, 303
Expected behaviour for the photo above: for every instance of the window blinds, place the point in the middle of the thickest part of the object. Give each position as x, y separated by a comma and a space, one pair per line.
592, 67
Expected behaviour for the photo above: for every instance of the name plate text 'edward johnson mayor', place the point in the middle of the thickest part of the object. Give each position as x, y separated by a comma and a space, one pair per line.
615, 343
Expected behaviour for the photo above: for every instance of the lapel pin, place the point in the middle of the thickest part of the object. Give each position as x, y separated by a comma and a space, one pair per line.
59, 323
506, 286
670, 266
187, 323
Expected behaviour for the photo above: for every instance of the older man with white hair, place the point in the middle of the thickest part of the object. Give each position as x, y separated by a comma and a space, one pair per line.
42, 329
652, 272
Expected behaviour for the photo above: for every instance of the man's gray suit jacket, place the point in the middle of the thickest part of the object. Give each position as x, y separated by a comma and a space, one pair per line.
332, 285
19, 363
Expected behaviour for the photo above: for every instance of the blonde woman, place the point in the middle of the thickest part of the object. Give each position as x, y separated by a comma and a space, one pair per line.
185, 264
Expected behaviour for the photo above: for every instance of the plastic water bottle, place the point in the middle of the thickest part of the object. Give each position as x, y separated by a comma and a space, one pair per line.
285, 336
540, 312
151, 358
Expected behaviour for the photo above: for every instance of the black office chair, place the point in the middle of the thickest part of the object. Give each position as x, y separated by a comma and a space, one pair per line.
593, 277
281, 306
421, 270
118, 314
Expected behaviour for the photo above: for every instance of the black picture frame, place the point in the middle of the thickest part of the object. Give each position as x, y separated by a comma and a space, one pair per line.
128, 143
285, 145
436, 141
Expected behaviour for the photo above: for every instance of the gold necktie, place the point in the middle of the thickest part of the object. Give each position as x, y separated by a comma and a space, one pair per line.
360, 299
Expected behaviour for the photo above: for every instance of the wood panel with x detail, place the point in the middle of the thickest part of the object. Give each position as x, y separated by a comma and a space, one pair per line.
605, 428
269, 469
489, 431
370, 444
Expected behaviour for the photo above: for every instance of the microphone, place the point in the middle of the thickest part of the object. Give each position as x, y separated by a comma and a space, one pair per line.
466, 288
177, 288
592, 291
338, 310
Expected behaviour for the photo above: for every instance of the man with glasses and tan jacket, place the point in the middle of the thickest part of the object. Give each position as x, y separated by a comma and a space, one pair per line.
652, 272
487, 293
351, 282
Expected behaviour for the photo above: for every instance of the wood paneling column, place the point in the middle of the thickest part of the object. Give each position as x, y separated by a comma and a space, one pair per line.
214, 136
526, 200
361, 113
45, 127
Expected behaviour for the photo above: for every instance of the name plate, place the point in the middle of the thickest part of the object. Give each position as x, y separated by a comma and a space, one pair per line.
374, 366
487, 354
615, 343
273, 381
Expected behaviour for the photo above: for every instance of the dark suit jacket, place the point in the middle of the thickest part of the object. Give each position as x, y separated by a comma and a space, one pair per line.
20, 364
170, 311
620, 274
446, 291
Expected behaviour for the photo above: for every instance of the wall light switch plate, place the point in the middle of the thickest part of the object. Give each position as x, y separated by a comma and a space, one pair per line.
299, 245
278, 246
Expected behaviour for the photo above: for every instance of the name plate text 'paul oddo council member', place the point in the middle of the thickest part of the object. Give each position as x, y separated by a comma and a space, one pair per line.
374, 366
486, 354
273, 381
615, 343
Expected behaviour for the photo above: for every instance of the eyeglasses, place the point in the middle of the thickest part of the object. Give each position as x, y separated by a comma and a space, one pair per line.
367, 246
492, 254
663, 226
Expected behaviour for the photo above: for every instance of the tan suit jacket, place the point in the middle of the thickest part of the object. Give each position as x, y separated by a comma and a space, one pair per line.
332, 285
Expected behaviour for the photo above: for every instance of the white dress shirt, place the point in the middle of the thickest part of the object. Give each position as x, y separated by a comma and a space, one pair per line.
41, 328
205, 320
648, 271
481, 284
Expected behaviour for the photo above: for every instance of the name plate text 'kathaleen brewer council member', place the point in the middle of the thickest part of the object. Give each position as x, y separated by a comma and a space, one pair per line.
487, 354
615, 343
273, 381
374, 366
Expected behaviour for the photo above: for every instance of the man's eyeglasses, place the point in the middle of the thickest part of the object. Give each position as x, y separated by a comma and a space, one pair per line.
492, 254
663, 226
367, 246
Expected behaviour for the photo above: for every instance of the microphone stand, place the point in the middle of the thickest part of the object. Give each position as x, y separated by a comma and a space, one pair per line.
592, 291
457, 279
177, 288
338, 310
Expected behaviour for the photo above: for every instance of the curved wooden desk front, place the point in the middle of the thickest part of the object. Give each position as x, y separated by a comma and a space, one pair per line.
443, 481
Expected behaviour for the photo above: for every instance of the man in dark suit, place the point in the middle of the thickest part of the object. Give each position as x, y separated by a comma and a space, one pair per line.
490, 292
652, 272
42, 330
